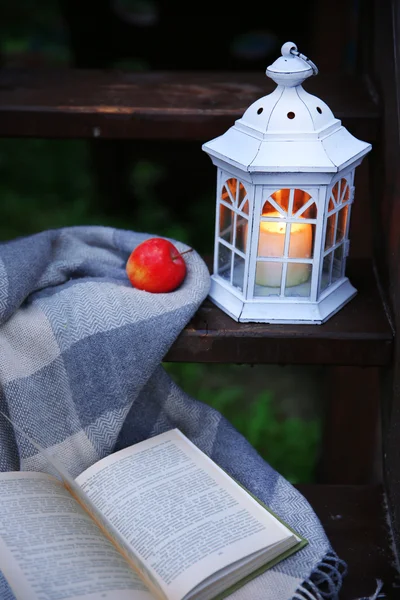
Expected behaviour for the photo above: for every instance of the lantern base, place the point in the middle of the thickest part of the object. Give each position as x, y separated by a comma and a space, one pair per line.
284, 310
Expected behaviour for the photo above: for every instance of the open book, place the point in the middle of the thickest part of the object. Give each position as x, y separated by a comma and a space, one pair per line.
157, 520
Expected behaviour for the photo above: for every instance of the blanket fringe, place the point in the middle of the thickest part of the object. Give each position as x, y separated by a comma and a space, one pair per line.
325, 581
377, 594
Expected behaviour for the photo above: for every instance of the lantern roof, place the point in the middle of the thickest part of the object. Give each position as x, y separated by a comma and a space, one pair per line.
288, 130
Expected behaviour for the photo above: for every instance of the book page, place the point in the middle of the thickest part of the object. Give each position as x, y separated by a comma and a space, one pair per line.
50, 548
95, 515
181, 514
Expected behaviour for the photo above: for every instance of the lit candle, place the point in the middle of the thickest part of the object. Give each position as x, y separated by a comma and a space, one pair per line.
271, 244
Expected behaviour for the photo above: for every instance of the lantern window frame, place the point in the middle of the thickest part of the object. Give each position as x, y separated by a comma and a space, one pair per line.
263, 193
349, 175
223, 177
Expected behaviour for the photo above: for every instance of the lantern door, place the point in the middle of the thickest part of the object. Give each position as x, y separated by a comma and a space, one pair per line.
285, 245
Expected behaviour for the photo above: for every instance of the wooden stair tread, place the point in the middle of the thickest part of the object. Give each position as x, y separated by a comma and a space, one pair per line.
359, 334
355, 522
74, 103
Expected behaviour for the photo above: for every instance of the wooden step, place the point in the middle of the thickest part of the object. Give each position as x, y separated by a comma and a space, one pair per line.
355, 521
72, 103
359, 334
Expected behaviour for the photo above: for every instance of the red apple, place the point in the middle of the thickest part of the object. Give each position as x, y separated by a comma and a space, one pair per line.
156, 266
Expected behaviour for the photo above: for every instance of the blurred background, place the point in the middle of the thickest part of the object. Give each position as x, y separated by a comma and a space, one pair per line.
56, 183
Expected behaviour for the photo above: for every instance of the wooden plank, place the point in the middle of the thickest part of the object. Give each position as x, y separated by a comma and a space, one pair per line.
73, 103
359, 334
355, 521
386, 70
351, 416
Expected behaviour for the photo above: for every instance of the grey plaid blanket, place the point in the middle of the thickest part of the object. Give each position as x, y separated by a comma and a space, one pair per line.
80, 372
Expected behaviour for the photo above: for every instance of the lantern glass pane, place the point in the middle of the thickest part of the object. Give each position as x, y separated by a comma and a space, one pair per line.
226, 193
271, 241
326, 272
330, 231
226, 223
301, 240
232, 185
245, 207
268, 278
300, 199
269, 210
340, 194
224, 262
336, 193
342, 223
345, 191
309, 212
293, 201
234, 192
298, 280
241, 233
238, 271
241, 194
281, 198
338, 264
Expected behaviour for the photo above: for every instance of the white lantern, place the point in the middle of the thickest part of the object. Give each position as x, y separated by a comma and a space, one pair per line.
285, 188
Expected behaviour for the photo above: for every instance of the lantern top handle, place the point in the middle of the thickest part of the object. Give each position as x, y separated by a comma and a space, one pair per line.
292, 68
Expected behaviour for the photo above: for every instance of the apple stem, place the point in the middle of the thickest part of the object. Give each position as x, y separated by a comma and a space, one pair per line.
186, 251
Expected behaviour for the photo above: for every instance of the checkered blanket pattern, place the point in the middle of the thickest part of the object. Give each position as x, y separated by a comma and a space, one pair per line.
81, 373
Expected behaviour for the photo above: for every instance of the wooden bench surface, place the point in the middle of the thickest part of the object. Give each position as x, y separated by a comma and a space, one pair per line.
355, 521
72, 103
359, 334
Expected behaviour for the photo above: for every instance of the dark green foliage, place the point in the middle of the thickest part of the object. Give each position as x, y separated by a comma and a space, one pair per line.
43, 184
289, 444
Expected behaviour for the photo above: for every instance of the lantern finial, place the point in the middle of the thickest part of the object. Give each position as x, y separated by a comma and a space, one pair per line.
287, 48
292, 68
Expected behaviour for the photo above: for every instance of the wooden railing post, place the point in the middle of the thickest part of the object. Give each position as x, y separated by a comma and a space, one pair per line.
351, 452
